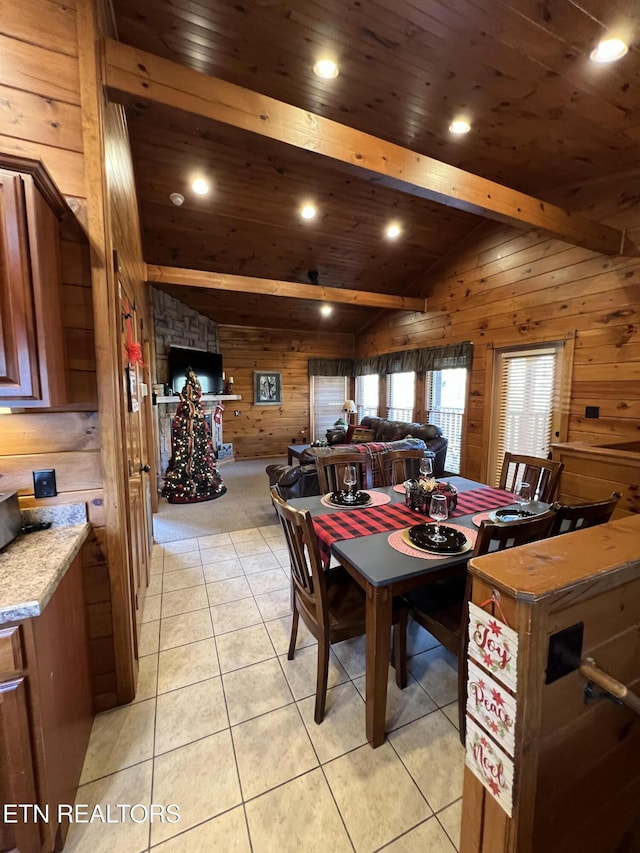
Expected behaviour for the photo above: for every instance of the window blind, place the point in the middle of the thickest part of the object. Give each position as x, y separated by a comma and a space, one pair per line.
445, 396
367, 395
328, 399
525, 405
400, 396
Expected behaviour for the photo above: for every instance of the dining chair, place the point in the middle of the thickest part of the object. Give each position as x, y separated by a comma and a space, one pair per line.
331, 603
541, 474
571, 517
442, 608
331, 471
396, 466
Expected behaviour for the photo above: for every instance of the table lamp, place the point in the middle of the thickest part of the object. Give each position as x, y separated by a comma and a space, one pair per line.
349, 408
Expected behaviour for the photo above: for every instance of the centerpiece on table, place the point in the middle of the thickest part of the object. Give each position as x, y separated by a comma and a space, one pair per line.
418, 494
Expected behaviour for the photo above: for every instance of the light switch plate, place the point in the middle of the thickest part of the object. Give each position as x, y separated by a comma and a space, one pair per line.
44, 483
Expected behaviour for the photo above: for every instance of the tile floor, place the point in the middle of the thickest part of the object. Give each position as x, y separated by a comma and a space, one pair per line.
222, 724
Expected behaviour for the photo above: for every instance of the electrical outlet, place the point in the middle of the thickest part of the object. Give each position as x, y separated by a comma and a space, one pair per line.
44, 483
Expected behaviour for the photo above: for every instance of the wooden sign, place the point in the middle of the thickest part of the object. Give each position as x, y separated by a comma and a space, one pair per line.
492, 706
494, 646
491, 765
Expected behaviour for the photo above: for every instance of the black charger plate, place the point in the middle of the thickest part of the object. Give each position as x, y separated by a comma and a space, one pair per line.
510, 514
455, 541
340, 499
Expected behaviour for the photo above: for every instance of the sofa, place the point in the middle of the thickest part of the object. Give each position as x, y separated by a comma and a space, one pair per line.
298, 481
386, 430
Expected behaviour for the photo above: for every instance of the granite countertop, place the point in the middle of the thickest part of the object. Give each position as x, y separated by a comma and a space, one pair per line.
33, 565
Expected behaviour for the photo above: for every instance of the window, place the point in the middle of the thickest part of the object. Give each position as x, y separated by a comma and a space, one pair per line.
525, 402
400, 396
367, 394
328, 394
445, 395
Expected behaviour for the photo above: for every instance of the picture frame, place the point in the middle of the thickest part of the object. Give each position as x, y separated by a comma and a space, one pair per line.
267, 387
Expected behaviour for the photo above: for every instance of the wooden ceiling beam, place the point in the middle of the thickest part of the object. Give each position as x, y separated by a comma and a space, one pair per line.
272, 287
132, 72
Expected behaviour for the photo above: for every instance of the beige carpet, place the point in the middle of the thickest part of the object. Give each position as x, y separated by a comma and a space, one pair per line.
246, 504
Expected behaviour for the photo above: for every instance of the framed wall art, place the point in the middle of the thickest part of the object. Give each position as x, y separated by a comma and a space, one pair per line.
267, 387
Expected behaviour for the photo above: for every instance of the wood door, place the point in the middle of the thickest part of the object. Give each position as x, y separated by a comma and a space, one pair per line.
134, 448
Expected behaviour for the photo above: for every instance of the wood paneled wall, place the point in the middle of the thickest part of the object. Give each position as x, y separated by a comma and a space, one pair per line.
262, 431
509, 288
41, 119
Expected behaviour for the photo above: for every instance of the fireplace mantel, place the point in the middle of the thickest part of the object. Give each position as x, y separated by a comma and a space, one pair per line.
206, 398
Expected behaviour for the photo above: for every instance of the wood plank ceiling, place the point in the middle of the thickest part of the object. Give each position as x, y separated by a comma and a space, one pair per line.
543, 116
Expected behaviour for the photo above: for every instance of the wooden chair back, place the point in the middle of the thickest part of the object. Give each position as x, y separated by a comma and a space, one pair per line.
571, 517
331, 471
495, 536
542, 475
307, 574
396, 466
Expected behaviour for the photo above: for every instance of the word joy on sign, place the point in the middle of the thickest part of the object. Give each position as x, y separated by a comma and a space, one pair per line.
490, 765
494, 646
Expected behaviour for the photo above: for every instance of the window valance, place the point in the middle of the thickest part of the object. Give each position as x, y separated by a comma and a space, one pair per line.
405, 361
331, 367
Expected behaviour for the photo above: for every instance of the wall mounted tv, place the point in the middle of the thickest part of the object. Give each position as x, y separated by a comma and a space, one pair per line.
206, 365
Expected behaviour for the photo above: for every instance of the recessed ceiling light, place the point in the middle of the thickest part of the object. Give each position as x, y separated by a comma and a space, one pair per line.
200, 186
326, 310
326, 68
459, 126
177, 199
393, 230
308, 211
609, 50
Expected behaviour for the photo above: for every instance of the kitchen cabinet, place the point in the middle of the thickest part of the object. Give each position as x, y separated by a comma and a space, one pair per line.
32, 352
46, 712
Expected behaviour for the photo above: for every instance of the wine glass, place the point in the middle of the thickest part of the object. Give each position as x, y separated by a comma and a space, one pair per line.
438, 511
349, 480
522, 494
426, 468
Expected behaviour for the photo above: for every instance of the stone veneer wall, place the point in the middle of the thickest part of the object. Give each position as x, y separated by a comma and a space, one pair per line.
180, 326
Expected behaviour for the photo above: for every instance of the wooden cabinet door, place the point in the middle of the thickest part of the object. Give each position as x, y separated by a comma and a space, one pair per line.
18, 363
33, 368
16, 768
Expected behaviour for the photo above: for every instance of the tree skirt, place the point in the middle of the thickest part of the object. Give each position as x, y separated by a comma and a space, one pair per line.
193, 499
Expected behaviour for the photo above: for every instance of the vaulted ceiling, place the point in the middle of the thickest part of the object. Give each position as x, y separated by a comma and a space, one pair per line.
542, 115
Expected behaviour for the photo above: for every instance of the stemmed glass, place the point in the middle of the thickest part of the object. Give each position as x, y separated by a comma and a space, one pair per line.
438, 511
522, 494
349, 480
426, 468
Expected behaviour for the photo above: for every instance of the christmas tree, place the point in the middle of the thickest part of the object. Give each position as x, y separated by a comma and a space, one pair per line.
192, 475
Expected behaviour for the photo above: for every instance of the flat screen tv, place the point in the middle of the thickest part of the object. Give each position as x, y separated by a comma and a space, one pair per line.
206, 365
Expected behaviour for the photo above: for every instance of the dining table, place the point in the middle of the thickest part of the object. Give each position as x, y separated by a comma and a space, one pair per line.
360, 539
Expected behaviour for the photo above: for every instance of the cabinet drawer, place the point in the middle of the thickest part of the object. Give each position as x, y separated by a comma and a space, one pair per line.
10, 650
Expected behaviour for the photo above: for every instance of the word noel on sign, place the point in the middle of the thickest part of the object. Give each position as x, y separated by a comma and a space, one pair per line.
491, 707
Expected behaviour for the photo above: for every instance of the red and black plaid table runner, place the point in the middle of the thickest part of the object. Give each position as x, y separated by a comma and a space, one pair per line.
379, 519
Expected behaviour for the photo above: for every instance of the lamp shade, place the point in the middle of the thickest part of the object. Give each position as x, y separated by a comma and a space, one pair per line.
349, 407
